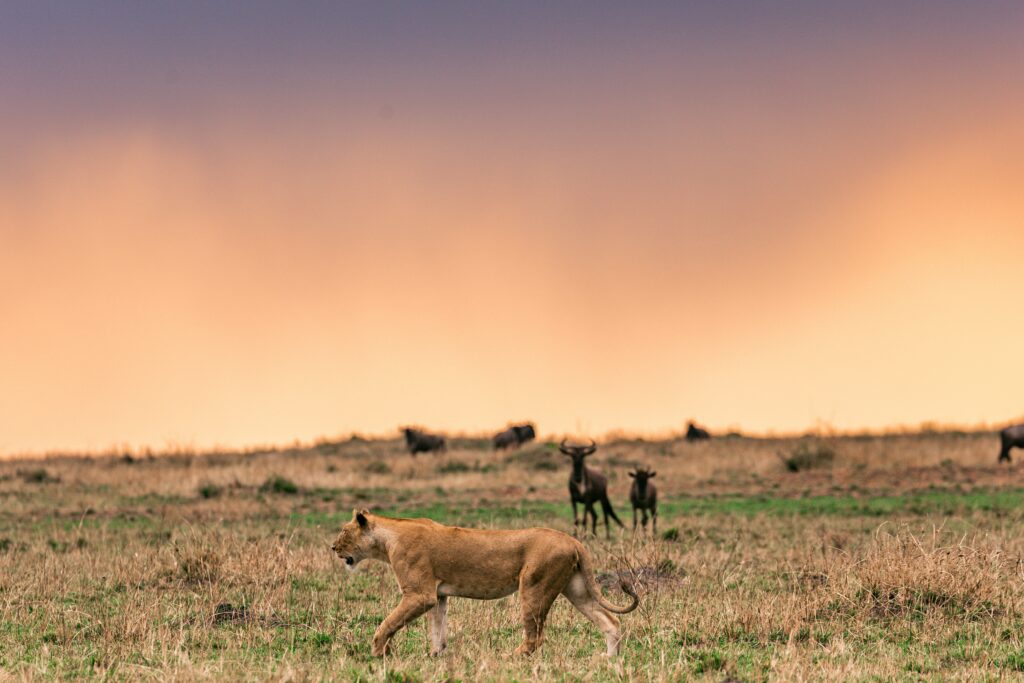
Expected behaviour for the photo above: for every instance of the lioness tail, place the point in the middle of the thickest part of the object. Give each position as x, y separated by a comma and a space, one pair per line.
587, 569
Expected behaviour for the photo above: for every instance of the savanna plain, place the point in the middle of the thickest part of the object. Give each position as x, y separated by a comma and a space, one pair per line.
820, 558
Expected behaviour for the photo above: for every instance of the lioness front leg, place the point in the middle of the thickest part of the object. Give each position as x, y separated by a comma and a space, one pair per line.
438, 624
411, 606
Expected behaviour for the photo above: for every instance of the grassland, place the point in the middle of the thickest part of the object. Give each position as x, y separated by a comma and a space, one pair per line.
895, 558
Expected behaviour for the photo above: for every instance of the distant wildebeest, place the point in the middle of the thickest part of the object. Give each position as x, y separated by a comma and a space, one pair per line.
514, 437
422, 442
586, 487
1011, 437
644, 496
695, 433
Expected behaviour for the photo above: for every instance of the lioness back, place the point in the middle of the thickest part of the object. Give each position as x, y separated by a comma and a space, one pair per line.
481, 563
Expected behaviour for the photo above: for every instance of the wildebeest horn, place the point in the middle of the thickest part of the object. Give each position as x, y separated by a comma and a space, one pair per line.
577, 450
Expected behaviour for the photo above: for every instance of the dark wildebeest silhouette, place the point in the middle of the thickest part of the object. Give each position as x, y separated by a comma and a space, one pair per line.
695, 433
422, 442
1011, 437
586, 487
644, 496
514, 437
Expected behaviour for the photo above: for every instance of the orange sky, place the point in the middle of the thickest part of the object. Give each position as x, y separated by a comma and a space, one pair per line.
833, 234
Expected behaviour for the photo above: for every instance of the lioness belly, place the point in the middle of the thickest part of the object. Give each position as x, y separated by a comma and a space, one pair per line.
492, 592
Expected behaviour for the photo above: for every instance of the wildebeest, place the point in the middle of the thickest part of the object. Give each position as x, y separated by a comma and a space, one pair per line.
514, 436
423, 442
644, 496
1011, 437
586, 487
695, 433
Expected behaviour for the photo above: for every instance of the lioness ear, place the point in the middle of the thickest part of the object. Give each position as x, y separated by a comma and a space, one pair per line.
360, 517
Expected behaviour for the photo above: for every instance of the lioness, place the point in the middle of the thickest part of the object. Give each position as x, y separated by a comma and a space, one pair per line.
433, 562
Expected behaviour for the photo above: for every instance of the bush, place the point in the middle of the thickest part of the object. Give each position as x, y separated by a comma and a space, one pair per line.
39, 476
377, 467
671, 534
210, 491
279, 485
808, 456
453, 467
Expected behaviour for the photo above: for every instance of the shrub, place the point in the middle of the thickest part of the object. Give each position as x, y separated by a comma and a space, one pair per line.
210, 491
671, 534
807, 456
279, 485
39, 476
377, 467
453, 467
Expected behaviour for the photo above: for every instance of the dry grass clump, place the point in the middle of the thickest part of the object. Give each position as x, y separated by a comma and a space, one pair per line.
902, 574
808, 455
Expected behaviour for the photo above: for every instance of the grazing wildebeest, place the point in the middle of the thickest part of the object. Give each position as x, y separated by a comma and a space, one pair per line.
506, 439
695, 433
422, 442
586, 487
514, 437
525, 432
1011, 437
644, 496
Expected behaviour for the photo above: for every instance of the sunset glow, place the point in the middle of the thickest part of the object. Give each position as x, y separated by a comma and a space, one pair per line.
260, 225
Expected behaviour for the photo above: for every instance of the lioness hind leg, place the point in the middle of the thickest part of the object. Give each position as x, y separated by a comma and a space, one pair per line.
582, 600
538, 588
438, 621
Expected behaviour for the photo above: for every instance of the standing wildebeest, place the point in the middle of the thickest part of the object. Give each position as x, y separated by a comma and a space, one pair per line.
644, 496
695, 433
422, 442
514, 437
588, 486
1011, 437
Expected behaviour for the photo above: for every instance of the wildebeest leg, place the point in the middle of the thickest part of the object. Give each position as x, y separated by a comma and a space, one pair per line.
438, 620
1004, 451
411, 606
593, 519
576, 519
634, 520
654, 520
644, 519
607, 523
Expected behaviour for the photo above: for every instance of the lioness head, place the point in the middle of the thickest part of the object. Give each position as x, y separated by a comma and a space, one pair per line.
355, 543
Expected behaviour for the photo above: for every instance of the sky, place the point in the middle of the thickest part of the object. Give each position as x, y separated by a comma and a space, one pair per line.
240, 223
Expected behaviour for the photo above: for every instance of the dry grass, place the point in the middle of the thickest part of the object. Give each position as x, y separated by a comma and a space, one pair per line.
898, 559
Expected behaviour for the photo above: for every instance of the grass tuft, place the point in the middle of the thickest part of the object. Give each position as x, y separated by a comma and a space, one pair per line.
278, 484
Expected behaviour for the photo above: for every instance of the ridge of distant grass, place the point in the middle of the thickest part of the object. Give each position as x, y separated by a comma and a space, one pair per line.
921, 503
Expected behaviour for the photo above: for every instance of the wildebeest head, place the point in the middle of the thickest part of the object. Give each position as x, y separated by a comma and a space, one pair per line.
577, 453
641, 475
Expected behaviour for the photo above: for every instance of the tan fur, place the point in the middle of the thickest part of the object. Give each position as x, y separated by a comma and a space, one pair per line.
433, 562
